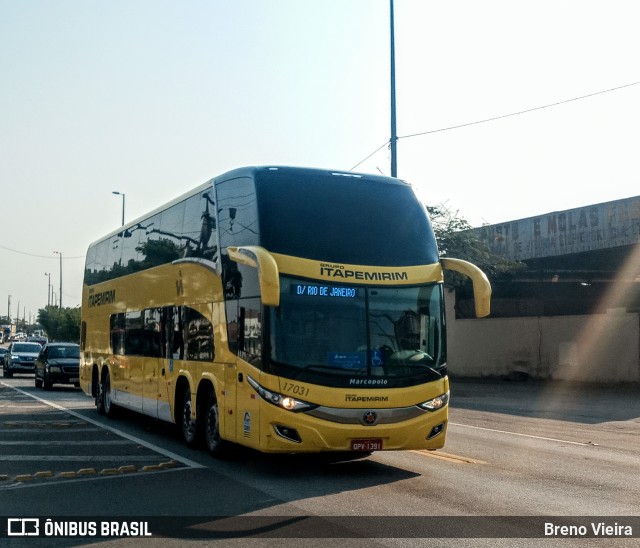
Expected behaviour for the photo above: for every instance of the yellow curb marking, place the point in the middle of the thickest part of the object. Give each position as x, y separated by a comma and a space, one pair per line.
43, 474
459, 459
109, 471
127, 468
151, 468
87, 471
68, 475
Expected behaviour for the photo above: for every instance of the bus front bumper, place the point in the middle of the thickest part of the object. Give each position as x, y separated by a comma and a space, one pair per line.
285, 432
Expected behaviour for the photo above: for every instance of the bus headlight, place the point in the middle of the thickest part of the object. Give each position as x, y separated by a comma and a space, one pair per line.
274, 398
435, 403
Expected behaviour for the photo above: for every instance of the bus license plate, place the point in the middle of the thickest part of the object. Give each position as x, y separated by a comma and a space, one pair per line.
366, 445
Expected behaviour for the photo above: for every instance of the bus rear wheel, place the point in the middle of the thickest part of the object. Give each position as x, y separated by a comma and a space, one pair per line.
104, 404
188, 426
215, 444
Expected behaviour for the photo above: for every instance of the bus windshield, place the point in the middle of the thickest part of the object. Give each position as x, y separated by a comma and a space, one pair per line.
342, 335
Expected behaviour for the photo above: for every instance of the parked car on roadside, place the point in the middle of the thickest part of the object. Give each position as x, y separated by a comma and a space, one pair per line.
58, 363
20, 357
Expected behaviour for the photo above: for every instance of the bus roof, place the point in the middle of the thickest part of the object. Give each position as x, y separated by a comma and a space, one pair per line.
251, 171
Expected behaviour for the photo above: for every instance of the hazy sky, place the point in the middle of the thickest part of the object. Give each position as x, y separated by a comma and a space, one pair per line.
153, 97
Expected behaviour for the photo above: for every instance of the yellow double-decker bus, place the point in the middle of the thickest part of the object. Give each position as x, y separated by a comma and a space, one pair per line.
285, 309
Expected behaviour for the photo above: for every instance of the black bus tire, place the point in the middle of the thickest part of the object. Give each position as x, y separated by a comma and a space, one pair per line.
104, 404
188, 426
215, 444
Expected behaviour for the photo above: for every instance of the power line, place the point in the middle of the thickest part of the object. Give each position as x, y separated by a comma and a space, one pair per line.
519, 112
374, 152
499, 117
38, 256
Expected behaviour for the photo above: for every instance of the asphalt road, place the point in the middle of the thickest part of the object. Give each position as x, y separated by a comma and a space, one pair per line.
513, 449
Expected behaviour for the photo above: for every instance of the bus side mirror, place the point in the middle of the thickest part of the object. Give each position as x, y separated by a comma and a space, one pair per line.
268, 274
481, 285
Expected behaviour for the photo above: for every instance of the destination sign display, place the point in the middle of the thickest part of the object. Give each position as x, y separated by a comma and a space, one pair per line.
325, 291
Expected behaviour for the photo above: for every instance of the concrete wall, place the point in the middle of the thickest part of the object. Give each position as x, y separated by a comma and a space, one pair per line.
596, 348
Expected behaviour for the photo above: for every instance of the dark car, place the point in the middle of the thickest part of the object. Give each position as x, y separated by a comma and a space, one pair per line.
20, 357
3, 351
40, 340
58, 363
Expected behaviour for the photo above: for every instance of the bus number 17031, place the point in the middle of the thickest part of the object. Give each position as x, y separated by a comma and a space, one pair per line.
296, 389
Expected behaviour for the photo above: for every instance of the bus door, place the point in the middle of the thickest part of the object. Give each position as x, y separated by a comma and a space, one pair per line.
249, 345
119, 361
228, 408
242, 421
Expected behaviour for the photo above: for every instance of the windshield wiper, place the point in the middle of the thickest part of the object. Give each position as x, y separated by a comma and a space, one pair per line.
423, 366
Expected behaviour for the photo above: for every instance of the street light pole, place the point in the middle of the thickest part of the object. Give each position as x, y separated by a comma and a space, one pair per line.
394, 136
60, 297
48, 288
120, 194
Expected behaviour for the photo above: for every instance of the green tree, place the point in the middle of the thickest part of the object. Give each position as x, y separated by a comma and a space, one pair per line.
60, 324
457, 239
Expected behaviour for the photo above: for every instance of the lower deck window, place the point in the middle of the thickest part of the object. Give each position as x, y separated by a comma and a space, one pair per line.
178, 332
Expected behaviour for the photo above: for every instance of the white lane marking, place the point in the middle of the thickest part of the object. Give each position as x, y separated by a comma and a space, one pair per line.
66, 443
153, 447
77, 458
518, 434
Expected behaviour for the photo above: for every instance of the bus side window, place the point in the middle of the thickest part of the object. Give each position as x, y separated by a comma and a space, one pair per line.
251, 334
172, 341
199, 336
117, 334
178, 333
244, 329
133, 334
152, 337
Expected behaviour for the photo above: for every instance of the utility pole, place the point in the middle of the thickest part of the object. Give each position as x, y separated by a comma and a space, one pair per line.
394, 136
123, 197
60, 296
48, 274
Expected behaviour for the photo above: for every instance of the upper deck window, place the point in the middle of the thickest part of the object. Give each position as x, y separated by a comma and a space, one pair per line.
348, 220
